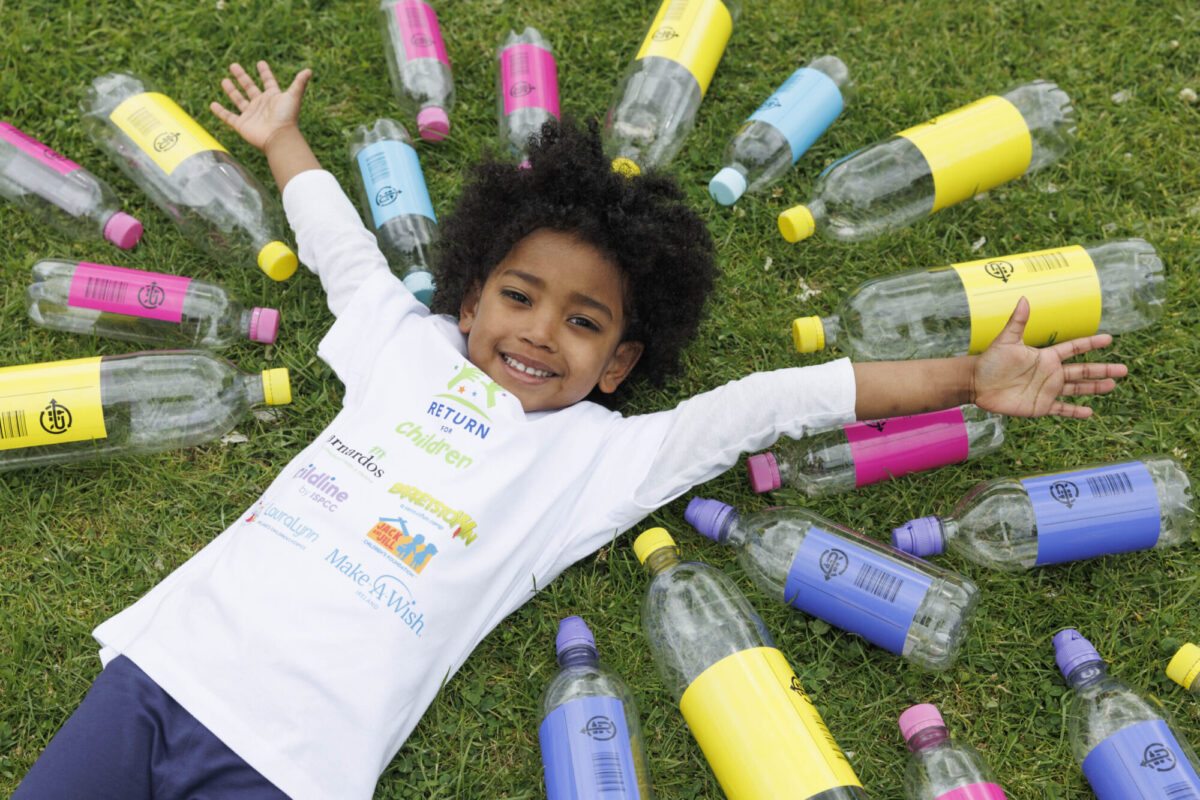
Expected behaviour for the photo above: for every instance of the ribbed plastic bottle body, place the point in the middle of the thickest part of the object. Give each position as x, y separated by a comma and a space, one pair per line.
526, 88
419, 79
927, 313
209, 317
942, 766
825, 463
153, 402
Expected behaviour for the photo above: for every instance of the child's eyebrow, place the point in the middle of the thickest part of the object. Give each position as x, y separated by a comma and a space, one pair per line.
577, 297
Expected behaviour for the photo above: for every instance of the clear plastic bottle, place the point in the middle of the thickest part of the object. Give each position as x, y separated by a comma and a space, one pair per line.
526, 89
590, 735
138, 306
900, 603
87, 408
655, 103
774, 137
60, 192
758, 729
896, 182
394, 201
218, 205
1097, 510
1112, 287
1184, 668
940, 767
418, 65
1125, 741
862, 453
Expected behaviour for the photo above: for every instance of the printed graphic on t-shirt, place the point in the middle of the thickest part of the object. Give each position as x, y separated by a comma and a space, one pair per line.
457, 419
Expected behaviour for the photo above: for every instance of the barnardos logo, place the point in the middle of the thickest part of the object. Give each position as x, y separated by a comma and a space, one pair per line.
460, 521
366, 459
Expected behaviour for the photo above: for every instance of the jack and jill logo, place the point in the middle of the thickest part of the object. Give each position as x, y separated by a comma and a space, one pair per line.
1065, 492
55, 418
1158, 756
395, 538
1001, 270
833, 563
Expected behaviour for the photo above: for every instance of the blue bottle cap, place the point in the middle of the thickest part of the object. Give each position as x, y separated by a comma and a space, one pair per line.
420, 283
920, 537
1071, 651
573, 632
727, 186
707, 516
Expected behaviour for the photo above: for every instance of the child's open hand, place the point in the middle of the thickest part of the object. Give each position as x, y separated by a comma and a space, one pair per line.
262, 113
1013, 378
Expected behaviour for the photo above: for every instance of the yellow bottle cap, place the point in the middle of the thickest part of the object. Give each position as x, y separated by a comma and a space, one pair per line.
277, 260
1185, 666
797, 223
277, 390
808, 334
626, 167
651, 540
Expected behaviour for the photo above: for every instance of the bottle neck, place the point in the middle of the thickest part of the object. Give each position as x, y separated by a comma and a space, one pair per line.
251, 387
928, 738
1087, 674
949, 527
731, 533
662, 559
580, 655
831, 326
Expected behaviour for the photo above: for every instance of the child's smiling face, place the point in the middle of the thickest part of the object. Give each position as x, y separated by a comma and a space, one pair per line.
547, 324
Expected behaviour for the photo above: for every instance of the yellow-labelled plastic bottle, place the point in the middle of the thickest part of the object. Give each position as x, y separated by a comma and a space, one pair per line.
751, 717
1184, 668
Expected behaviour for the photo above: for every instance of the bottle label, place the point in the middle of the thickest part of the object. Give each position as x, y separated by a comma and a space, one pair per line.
118, 290
1141, 762
1094, 512
420, 34
52, 403
393, 180
162, 130
1061, 285
888, 448
692, 33
802, 108
973, 148
976, 791
32, 147
529, 78
759, 731
586, 751
856, 589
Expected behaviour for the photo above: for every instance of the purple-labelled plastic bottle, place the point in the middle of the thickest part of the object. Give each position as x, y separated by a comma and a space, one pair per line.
418, 65
591, 739
940, 767
526, 89
1125, 741
60, 192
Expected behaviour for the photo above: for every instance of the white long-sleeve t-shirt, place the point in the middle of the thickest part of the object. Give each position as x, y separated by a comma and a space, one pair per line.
311, 635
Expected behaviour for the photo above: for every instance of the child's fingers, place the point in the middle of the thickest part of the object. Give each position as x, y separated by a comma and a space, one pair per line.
1014, 329
1070, 410
268, 77
1093, 372
1083, 344
222, 113
300, 83
245, 81
1076, 388
234, 95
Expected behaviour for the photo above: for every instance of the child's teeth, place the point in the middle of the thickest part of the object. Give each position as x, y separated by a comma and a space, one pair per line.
528, 370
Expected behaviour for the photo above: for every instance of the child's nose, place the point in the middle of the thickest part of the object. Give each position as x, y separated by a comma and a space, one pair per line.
539, 331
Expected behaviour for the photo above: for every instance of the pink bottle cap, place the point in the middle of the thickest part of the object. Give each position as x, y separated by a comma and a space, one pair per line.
123, 230
764, 472
264, 325
433, 123
919, 717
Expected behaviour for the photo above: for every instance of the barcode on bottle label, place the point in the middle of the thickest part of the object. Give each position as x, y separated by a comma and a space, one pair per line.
146, 122
1046, 262
118, 290
378, 169
676, 11
607, 770
878, 583
12, 425
586, 751
105, 291
1110, 485
1181, 791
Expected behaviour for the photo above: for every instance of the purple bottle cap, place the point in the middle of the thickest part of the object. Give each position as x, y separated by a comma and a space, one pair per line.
1072, 650
573, 632
123, 230
919, 537
919, 717
433, 123
707, 516
264, 324
764, 472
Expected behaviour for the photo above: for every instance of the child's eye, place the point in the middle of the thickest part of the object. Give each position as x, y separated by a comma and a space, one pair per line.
584, 322
513, 294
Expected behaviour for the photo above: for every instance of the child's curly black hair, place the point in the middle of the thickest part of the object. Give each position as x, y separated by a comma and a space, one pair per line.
641, 223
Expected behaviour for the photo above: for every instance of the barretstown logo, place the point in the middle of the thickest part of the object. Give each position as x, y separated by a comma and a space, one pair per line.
459, 522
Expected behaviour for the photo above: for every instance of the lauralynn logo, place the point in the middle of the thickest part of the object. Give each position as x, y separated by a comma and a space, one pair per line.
392, 534
471, 388
1158, 757
55, 418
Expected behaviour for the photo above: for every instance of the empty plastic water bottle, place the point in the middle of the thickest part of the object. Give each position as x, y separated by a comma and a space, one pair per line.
1075, 291
949, 159
590, 735
940, 767
1184, 668
526, 89
60, 192
1125, 741
394, 201
88, 408
742, 701
655, 104
139, 306
1098, 510
219, 206
900, 603
862, 453
417, 64
781, 130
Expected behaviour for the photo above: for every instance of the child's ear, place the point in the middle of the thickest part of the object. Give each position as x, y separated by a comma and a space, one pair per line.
619, 366
469, 308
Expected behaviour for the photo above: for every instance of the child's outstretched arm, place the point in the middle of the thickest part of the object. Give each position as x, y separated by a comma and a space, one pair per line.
268, 118
1009, 377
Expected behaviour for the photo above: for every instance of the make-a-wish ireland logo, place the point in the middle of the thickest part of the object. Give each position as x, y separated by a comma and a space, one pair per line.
471, 388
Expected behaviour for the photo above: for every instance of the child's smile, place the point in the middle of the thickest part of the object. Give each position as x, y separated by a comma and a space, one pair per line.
547, 324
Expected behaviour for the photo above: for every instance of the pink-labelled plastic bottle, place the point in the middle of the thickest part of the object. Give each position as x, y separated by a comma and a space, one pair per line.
418, 65
60, 192
941, 768
526, 89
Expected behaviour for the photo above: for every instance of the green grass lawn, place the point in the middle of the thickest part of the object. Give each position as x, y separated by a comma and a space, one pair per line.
82, 542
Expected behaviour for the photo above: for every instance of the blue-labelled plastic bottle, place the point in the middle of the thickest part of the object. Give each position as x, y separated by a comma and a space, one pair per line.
394, 201
940, 767
895, 601
591, 739
758, 729
1098, 510
1125, 741
781, 130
